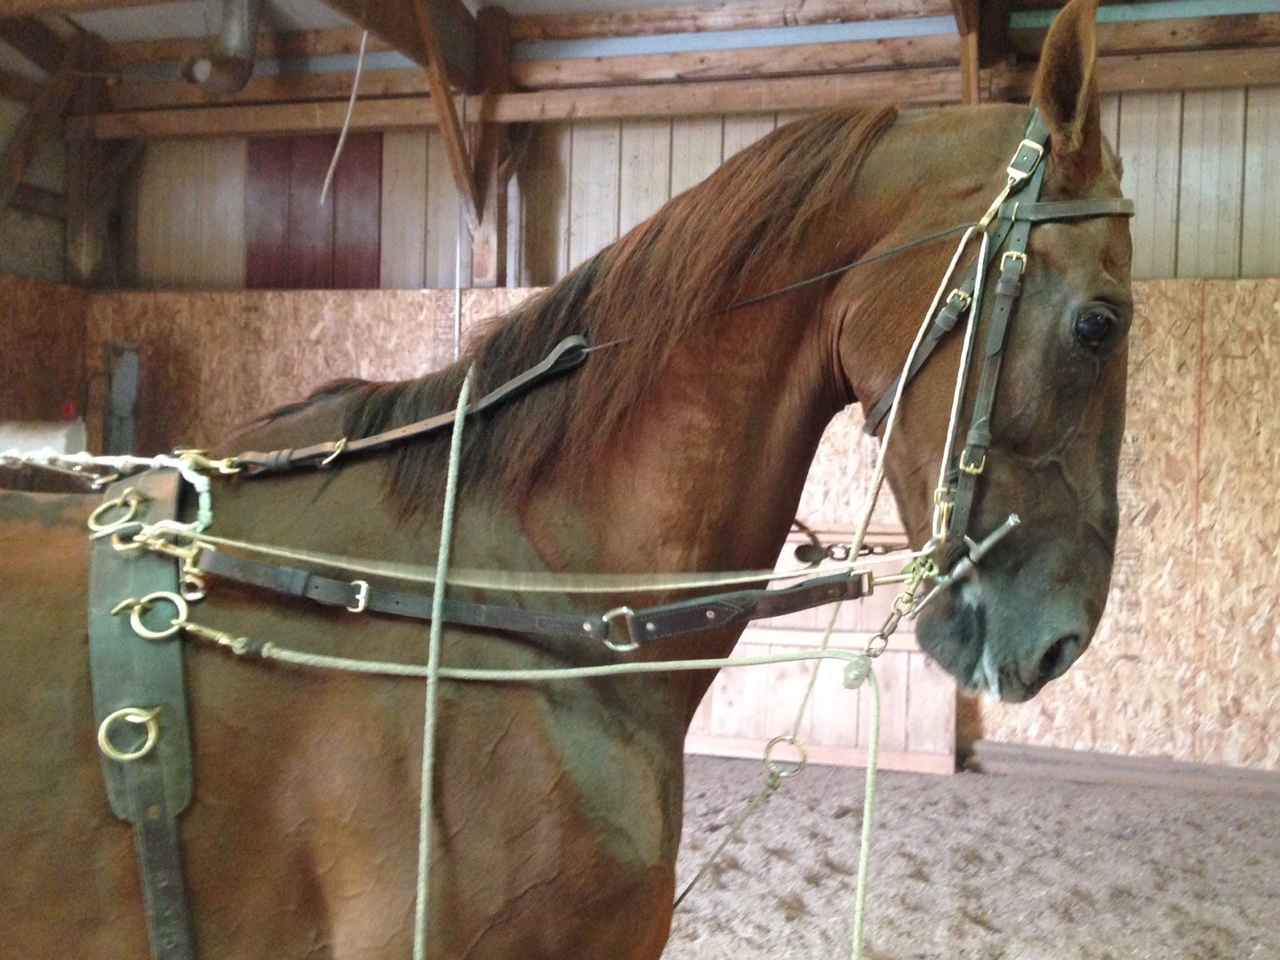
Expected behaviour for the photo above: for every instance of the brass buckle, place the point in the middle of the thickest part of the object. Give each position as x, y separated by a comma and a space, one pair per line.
965, 299
969, 467
629, 617
149, 718
1012, 255
1016, 175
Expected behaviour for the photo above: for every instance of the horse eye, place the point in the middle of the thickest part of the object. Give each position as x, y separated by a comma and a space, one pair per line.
1093, 326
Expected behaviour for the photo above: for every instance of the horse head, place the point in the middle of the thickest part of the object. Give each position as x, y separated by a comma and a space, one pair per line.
1022, 615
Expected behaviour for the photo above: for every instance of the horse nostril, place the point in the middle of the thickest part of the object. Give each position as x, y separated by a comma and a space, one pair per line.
1059, 657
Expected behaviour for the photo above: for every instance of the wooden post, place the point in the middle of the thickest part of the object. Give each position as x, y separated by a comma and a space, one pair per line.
492, 148
967, 20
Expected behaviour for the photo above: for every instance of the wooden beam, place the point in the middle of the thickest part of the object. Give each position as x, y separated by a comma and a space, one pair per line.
492, 148
1152, 36
814, 58
39, 124
966, 14
612, 71
295, 45
19, 89
993, 33
701, 17
170, 94
94, 172
35, 41
38, 201
396, 22
31, 8
446, 110
1183, 70
926, 85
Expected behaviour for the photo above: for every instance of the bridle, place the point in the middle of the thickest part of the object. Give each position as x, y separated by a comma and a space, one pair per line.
1005, 231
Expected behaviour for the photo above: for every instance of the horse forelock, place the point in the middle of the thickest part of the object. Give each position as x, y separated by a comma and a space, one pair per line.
705, 249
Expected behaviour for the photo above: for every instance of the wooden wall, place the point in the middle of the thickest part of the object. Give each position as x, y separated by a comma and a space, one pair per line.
32, 245
42, 349
1186, 663
1199, 165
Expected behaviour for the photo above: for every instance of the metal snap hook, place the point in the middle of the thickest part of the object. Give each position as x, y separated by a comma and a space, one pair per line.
131, 715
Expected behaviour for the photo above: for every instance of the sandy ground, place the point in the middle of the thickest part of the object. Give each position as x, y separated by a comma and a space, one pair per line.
977, 867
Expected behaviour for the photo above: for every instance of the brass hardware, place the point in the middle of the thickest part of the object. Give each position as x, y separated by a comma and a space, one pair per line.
130, 500
137, 608
780, 772
132, 715
971, 468
362, 596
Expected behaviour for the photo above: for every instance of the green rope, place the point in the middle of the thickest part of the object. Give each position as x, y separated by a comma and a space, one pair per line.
868, 810
433, 679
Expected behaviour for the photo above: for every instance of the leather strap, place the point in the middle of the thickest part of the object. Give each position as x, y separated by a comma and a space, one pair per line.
129, 671
619, 626
566, 355
1067, 210
1008, 287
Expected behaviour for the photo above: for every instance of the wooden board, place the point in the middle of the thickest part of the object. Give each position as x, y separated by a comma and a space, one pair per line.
644, 180
594, 155
1260, 228
1150, 143
402, 244
42, 349
1209, 188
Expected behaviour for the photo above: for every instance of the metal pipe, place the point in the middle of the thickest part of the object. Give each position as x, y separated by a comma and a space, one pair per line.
228, 65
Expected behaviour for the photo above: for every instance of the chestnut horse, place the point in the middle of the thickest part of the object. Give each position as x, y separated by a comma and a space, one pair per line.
682, 447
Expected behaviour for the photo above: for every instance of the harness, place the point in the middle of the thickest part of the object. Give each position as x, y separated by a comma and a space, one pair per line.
149, 777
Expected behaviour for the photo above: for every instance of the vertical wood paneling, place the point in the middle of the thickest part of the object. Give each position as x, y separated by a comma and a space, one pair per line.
402, 252
1211, 183
544, 190
440, 266
742, 131
697, 146
310, 239
1260, 227
740, 698
1111, 118
931, 706
356, 199
220, 227
593, 187
891, 672
266, 215
645, 178
1150, 131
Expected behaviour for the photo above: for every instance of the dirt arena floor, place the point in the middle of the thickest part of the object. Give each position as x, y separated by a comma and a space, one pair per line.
978, 867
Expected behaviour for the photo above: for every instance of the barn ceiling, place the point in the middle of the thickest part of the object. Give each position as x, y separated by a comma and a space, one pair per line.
113, 70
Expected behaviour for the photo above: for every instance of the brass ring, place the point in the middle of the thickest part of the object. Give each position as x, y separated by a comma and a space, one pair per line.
129, 501
180, 608
132, 715
781, 772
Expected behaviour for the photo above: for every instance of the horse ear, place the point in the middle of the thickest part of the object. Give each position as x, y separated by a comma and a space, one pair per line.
1066, 91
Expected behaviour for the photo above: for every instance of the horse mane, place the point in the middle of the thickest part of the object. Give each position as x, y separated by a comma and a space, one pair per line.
697, 255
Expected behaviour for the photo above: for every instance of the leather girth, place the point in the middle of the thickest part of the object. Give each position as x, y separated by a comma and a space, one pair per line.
129, 671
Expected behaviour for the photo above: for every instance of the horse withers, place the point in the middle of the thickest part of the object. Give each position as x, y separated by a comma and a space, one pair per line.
681, 447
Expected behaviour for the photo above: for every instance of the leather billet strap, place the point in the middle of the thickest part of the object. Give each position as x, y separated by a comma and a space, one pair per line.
565, 356
619, 627
145, 677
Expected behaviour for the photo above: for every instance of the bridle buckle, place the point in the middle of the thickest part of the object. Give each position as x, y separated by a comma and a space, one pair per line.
628, 616
1017, 175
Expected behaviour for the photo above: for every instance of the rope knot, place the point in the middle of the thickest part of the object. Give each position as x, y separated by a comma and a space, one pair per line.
856, 672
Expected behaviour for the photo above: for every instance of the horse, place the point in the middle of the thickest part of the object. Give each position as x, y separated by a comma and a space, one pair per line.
680, 444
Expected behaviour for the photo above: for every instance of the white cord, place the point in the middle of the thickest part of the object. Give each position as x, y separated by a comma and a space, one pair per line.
351, 106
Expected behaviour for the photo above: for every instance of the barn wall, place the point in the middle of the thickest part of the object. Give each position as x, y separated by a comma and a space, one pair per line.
32, 245
42, 348
1186, 663
1197, 163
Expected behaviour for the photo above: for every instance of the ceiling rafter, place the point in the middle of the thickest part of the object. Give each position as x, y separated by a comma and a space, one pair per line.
396, 22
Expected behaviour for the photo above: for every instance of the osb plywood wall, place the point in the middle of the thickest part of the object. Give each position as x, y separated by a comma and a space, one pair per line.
210, 362
1187, 661
41, 349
